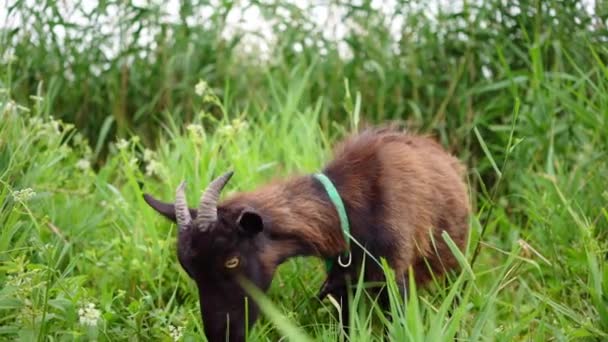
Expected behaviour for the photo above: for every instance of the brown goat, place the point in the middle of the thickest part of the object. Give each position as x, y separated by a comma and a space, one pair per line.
398, 190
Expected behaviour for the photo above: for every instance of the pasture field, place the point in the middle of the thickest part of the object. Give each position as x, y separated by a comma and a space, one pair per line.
517, 90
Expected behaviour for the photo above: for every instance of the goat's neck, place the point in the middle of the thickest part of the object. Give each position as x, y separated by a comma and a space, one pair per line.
304, 220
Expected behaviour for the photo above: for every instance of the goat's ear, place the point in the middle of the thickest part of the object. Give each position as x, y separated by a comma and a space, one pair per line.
250, 221
163, 208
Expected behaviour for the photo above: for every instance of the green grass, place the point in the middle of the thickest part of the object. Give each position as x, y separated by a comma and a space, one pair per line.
534, 137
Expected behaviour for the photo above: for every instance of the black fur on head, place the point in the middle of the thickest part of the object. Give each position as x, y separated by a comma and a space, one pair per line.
215, 248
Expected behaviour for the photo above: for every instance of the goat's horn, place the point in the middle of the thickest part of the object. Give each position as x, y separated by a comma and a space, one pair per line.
207, 209
182, 213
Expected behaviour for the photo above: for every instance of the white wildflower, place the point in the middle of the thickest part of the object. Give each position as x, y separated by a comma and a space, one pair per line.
486, 72
83, 164
23, 195
122, 144
211, 98
148, 155
88, 315
239, 125
232, 129
283, 12
9, 57
10, 107
176, 333
201, 87
226, 130
154, 168
514, 10
197, 131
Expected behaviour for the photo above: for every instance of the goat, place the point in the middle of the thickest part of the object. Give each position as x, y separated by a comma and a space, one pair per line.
399, 190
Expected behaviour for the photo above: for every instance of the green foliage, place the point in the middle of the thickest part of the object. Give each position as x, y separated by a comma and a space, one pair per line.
519, 92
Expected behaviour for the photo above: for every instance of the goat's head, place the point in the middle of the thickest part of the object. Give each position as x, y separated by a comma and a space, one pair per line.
217, 246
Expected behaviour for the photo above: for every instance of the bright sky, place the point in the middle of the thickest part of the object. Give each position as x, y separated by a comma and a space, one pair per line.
243, 18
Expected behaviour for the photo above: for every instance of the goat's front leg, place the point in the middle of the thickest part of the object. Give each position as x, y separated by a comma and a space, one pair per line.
336, 286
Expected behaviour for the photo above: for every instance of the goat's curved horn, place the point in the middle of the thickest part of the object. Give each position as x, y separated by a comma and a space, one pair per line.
182, 213
207, 209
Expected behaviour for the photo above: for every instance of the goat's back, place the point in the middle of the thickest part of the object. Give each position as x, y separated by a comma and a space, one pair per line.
403, 191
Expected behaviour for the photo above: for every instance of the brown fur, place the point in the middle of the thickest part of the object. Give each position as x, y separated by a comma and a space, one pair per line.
398, 189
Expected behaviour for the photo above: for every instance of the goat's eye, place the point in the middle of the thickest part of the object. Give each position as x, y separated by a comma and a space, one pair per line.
232, 262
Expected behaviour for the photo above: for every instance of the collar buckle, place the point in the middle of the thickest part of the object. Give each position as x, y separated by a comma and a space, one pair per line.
348, 262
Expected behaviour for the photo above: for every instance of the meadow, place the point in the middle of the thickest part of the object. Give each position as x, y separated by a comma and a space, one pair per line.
517, 90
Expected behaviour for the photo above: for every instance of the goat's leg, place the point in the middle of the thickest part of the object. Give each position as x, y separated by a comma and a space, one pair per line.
336, 286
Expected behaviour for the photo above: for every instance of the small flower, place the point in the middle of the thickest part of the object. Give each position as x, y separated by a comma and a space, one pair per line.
197, 131
232, 129
9, 57
10, 107
23, 195
226, 130
154, 168
201, 87
148, 155
83, 164
176, 333
283, 12
88, 315
486, 72
211, 98
239, 125
297, 47
122, 144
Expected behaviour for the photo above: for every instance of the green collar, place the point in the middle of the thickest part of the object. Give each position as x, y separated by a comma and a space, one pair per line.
334, 196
